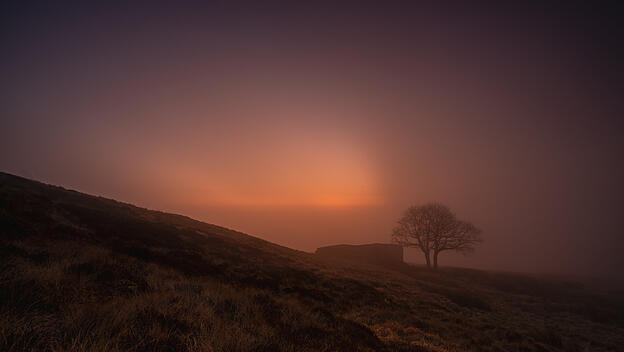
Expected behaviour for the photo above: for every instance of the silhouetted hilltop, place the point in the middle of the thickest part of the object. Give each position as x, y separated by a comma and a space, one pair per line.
79, 272
375, 253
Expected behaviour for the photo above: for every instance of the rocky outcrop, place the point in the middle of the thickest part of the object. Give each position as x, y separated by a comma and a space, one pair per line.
375, 253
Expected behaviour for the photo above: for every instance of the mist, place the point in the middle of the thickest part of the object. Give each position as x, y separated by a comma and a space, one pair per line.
309, 127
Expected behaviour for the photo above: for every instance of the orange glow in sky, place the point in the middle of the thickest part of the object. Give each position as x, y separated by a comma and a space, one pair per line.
277, 172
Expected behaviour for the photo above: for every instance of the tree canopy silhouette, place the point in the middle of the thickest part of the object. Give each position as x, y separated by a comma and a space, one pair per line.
433, 228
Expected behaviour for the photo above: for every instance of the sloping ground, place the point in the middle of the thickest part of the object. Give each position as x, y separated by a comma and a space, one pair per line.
381, 254
79, 272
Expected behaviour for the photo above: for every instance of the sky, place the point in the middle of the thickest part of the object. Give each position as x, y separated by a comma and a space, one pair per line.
311, 125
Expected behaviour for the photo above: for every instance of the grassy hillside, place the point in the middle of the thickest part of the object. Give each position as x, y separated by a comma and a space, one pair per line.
79, 272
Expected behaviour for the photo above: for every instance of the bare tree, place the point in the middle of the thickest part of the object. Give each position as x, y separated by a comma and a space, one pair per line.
433, 228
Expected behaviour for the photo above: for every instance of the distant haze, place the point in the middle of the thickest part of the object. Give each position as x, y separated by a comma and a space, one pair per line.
316, 126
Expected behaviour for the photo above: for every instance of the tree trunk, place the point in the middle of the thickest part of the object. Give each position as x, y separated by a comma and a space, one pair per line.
428, 259
435, 260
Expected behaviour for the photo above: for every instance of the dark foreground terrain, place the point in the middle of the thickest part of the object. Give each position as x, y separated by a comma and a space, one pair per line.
79, 272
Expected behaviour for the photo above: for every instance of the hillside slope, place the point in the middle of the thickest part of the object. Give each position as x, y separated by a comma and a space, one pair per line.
79, 272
